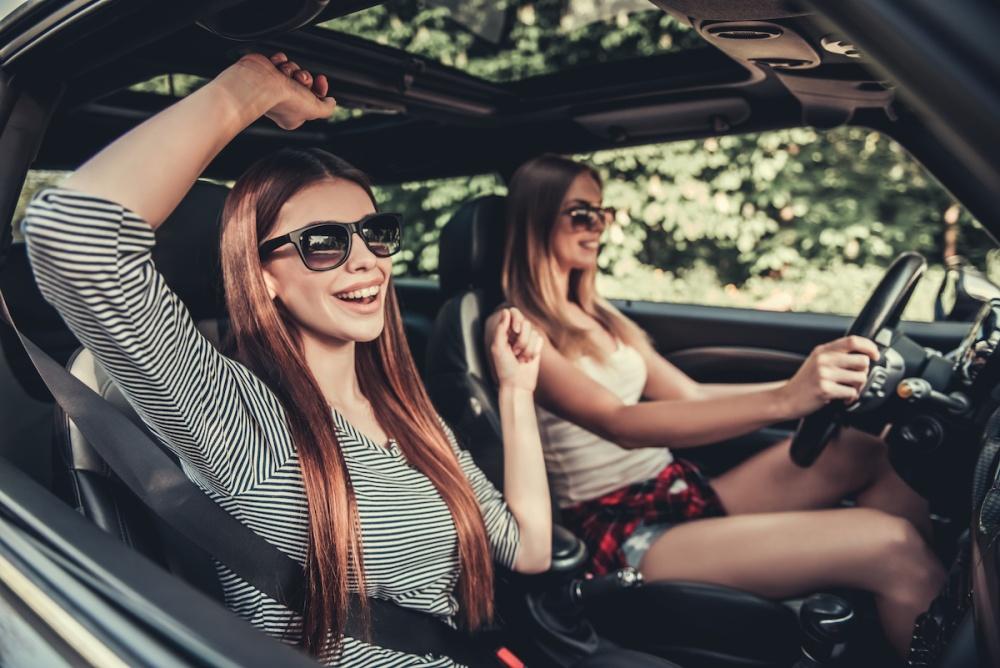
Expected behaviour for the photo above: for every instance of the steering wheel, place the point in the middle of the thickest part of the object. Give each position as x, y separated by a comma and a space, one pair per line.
881, 312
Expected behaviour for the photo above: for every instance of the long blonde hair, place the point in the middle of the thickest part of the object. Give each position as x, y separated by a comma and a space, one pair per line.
534, 205
265, 338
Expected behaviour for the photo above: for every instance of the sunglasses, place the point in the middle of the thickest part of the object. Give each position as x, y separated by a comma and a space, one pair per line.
590, 218
327, 245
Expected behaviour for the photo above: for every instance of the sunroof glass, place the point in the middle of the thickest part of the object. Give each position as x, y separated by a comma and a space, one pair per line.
509, 40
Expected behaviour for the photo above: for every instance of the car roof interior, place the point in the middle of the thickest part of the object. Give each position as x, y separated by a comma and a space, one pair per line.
753, 66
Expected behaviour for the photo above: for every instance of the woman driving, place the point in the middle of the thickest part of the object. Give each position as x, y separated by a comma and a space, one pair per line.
766, 526
317, 433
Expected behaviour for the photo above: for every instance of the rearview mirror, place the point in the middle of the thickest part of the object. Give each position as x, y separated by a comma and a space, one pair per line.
963, 292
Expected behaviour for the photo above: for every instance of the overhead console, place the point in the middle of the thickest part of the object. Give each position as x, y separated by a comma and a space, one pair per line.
825, 72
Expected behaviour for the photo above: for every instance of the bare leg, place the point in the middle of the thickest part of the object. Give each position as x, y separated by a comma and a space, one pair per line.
789, 553
853, 463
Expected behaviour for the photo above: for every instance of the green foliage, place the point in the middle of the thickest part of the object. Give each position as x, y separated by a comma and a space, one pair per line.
427, 206
775, 203
531, 38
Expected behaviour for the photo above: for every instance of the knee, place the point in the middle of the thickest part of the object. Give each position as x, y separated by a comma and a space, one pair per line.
908, 567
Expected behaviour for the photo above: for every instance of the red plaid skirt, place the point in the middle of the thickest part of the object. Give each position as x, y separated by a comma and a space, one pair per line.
680, 492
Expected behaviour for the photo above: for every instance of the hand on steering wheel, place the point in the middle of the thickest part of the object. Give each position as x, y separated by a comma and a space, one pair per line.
881, 312
835, 371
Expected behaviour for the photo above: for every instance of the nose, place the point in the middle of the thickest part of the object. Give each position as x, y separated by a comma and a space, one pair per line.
360, 259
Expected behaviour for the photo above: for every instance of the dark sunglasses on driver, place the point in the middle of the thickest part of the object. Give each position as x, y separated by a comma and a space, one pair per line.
327, 245
589, 218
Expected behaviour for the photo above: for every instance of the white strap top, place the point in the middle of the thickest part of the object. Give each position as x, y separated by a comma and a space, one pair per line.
581, 464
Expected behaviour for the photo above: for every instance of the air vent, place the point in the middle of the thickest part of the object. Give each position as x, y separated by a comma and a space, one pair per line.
784, 63
840, 46
751, 32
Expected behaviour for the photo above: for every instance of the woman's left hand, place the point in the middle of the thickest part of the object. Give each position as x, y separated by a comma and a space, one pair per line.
516, 351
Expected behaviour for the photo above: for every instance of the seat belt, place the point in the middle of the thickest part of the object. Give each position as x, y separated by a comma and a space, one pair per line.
162, 486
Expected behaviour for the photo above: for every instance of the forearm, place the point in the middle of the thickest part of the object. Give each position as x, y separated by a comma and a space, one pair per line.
692, 422
149, 169
525, 484
714, 390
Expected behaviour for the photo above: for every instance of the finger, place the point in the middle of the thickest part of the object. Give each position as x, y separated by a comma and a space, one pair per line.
526, 354
304, 77
836, 392
289, 68
321, 86
278, 58
503, 322
852, 379
499, 341
852, 361
327, 106
534, 348
517, 320
858, 344
524, 338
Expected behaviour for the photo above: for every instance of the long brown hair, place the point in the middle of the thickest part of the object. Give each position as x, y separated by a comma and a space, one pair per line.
536, 194
265, 339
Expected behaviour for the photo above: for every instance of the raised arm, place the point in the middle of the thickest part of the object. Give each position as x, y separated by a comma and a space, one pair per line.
151, 168
835, 371
90, 248
515, 353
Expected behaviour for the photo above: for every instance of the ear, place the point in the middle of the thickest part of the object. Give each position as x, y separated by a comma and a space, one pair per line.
271, 283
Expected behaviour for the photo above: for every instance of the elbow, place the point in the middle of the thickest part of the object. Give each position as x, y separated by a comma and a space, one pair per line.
533, 564
614, 428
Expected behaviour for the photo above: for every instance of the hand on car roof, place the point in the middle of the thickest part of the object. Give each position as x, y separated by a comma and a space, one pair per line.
299, 95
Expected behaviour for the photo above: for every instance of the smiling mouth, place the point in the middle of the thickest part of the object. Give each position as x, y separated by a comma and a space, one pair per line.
590, 245
362, 296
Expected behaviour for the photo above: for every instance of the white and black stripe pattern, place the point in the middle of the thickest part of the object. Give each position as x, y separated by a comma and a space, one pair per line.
91, 258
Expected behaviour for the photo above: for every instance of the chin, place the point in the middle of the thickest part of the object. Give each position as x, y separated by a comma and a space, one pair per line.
363, 334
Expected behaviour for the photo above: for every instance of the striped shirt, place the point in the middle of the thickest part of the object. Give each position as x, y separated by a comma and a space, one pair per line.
92, 261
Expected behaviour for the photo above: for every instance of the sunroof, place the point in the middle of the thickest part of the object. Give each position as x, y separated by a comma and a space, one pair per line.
509, 40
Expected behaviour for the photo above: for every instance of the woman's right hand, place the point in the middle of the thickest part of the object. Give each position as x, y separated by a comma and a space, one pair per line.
291, 94
834, 371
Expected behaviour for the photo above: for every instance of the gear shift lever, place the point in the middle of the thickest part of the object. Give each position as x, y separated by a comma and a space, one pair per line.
826, 621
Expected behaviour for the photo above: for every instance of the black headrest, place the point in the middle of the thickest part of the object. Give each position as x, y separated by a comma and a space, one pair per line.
187, 250
471, 248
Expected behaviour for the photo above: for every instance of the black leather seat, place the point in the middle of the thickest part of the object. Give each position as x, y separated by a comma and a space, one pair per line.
692, 623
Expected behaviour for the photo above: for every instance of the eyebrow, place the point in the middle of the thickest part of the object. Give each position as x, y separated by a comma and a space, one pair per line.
582, 201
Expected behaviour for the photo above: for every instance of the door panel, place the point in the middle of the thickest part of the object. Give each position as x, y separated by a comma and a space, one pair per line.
717, 344
720, 364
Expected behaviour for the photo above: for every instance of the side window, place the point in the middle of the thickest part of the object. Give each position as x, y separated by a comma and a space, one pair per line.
37, 179
790, 220
426, 207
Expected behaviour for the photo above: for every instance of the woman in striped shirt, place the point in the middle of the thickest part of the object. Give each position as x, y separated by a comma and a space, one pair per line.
317, 434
